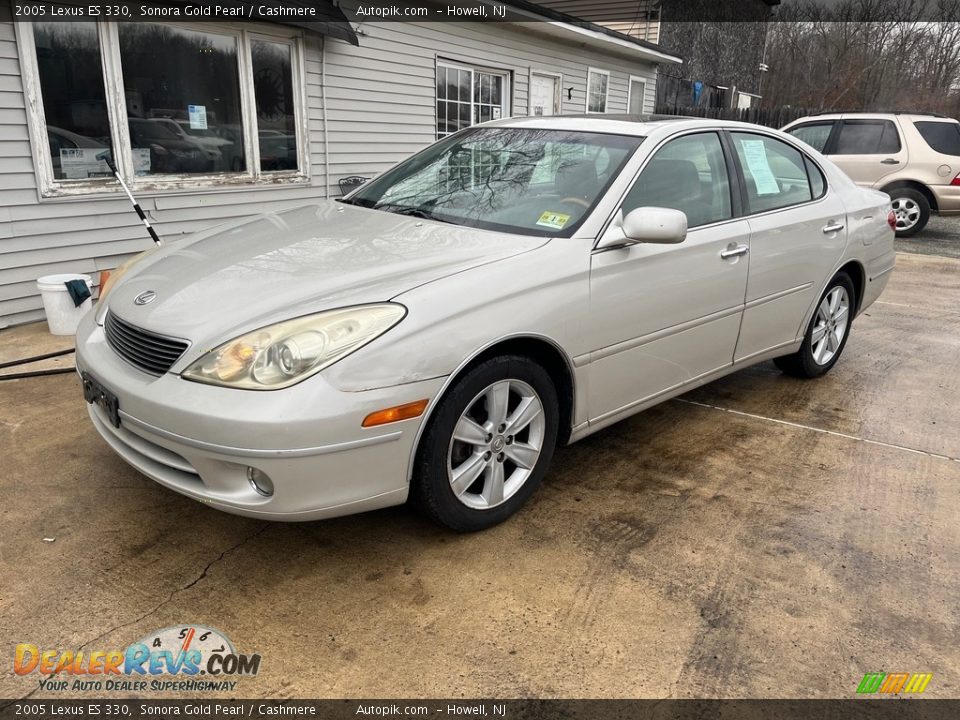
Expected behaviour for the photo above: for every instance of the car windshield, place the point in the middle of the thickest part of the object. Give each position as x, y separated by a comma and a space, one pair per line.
528, 181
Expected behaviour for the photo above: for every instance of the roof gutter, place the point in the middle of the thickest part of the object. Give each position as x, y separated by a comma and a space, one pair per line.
581, 31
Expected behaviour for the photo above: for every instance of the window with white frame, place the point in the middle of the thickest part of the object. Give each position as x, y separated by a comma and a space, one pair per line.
598, 82
175, 105
469, 95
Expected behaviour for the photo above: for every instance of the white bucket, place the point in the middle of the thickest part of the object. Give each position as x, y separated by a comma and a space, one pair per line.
62, 315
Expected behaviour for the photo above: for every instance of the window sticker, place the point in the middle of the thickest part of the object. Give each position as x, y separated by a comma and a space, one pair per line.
85, 163
553, 220
755, 156
198, 116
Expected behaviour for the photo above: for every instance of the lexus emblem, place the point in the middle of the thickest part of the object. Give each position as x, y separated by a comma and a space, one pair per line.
147, 296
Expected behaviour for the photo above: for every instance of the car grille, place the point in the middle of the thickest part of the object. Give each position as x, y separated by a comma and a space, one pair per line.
147, 351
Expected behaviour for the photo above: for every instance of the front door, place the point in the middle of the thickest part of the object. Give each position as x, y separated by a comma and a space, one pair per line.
544, 94
661, 315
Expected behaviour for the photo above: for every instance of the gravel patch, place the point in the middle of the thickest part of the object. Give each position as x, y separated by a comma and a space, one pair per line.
941, 236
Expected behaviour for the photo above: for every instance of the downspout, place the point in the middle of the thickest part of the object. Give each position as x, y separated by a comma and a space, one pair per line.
323, 101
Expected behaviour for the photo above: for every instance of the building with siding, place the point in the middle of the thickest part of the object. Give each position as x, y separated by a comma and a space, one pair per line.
213, 121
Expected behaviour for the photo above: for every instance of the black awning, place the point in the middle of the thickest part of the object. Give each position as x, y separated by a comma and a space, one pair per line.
328, 19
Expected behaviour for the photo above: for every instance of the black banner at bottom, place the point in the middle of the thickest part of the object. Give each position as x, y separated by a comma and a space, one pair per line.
114, 709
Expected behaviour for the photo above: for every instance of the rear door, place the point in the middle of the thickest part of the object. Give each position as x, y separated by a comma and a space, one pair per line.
868, 149
797, 235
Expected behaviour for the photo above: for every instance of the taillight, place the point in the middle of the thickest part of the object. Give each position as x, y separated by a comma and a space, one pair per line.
892, 220
955, 181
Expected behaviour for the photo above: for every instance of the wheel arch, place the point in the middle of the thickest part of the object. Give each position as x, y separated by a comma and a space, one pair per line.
913, 185
539, 348
858, 274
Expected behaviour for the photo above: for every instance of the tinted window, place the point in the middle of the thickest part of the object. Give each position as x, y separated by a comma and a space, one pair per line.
867, 137
172, 74
813, 134
818, 184
944, 137
775, 172
74, 103
687, 174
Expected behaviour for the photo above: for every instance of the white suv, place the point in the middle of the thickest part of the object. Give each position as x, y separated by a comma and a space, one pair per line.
913, 157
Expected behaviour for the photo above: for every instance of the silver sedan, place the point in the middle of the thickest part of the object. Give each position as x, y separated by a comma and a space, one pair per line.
438, 332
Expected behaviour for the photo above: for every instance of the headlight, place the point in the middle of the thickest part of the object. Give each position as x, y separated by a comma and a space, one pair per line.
281, 355
120, 271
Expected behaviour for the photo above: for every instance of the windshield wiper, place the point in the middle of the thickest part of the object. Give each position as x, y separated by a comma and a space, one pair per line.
358, 201
412, 211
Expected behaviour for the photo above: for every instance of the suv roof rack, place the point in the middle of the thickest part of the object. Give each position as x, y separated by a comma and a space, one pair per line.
880, 112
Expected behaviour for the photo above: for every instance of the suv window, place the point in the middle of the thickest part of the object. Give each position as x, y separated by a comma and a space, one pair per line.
688, 174
813, 134
775, 173
944, 137
867, 137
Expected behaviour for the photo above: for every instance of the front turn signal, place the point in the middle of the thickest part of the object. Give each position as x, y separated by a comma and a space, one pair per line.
396, 413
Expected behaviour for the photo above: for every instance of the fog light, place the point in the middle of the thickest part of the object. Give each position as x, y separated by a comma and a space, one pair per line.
260, 482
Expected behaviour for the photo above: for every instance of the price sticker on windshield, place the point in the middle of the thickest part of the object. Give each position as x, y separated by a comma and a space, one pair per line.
553, 220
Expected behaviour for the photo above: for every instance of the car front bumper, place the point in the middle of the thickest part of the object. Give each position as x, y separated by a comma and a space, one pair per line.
200, 440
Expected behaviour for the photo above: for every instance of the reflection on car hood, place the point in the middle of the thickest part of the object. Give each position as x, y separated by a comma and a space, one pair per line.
285, 264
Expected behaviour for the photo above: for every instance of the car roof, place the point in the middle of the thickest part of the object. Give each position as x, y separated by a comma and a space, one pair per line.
880, 114
640, 125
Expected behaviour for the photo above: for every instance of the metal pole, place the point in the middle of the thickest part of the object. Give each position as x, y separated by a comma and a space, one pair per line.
105, 156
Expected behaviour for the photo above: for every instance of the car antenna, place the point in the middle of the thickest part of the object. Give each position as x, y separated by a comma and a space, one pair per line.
105, 156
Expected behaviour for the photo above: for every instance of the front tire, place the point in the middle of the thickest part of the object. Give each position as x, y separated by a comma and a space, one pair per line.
827, 333
487, 444
912, 210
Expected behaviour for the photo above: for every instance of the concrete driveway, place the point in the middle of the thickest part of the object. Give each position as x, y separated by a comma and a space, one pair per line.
762, 536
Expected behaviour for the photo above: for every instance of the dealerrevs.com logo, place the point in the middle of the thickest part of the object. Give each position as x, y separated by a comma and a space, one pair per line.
187, 658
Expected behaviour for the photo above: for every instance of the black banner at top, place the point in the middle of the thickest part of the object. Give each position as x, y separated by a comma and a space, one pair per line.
599, 12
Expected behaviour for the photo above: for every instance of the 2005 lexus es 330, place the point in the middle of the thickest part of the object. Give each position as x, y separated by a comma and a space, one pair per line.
435, 334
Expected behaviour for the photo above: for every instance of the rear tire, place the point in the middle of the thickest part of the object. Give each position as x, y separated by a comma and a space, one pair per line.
827, 334
912, 210
487, 445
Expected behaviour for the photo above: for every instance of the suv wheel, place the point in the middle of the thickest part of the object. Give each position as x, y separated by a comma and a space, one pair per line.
912, 210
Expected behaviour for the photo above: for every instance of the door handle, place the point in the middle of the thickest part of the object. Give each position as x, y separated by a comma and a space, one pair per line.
889, 161
832, 227
734, 251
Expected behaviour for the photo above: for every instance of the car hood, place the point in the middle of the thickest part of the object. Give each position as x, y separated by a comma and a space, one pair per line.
279, 265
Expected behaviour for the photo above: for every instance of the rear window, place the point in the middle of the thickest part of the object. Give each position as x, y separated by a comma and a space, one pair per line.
944, 137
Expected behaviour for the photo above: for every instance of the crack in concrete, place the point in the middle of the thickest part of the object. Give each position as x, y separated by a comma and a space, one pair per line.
801, 426
173, 593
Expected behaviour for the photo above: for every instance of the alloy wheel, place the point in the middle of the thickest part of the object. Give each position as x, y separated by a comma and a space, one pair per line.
907, 212
496, 444
833, 319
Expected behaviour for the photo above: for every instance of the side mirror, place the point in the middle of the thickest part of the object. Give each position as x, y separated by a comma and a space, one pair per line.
663, 226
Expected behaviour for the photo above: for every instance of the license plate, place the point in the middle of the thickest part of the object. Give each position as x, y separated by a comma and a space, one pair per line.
95, 393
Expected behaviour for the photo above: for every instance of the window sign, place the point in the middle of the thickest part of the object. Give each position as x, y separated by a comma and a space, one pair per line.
88, 163
198, 117
755, 156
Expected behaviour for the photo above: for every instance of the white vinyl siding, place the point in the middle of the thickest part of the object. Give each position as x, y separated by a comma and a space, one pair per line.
371, 105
